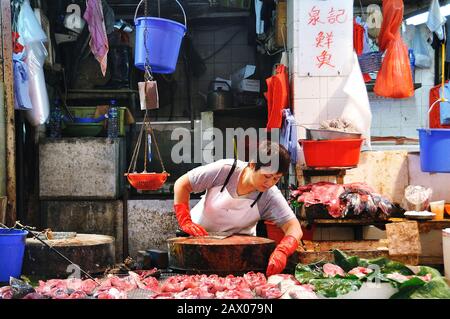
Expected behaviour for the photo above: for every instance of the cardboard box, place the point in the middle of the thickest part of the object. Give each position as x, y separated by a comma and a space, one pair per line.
241, 82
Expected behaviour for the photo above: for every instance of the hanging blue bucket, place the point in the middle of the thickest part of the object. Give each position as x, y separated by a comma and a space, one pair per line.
162, 39
434, 150
12, 248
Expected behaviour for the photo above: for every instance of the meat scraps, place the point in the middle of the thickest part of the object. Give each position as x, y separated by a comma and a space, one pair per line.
136, 285
331, 270
340, 200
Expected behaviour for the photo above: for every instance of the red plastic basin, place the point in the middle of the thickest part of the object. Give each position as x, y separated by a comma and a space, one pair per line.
332, 153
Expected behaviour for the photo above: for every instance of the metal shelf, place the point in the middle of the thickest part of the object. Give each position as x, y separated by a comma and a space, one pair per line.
371, 85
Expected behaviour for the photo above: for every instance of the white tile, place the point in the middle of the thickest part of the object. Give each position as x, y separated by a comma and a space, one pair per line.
376, 118
306, 87
409, 116
409, 131
389, 131
389, 116
375, 131
418, 75
412, 101
335, 86
335, 107
426, 95
424, 116
323, 86
307, 111
428, 77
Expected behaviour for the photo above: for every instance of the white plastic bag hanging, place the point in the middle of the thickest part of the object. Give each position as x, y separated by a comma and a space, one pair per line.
28, 26
436, 20
420, 47
36, 54
357, 109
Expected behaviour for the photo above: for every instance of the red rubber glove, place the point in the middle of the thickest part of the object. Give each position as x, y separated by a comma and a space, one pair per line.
278, 259
185, 221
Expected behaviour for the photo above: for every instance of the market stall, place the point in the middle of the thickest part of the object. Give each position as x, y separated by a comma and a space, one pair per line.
225, 150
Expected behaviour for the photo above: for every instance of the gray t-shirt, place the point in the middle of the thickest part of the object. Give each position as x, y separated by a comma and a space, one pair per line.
272, 205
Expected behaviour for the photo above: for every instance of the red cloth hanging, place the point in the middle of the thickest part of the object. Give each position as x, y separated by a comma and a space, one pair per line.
277, 96
435, 114
17, 47
358, 44
358, 37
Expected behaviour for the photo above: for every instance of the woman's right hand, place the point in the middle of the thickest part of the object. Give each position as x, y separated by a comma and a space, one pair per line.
185, 222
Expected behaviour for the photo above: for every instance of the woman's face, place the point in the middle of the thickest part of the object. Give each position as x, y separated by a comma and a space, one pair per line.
264, 179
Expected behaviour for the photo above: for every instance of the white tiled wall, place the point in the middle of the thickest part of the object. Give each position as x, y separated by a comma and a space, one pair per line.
320, 98
401, 117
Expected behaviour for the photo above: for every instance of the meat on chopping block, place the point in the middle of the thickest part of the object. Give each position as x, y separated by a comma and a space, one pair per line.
236, 255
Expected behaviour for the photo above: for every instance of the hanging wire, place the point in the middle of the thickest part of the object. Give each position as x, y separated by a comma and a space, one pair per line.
137, 148
145, 147
147, 127
148, 76
156, 146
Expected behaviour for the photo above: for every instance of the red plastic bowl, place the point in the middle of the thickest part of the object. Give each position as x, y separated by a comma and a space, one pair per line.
332, 153
147, 181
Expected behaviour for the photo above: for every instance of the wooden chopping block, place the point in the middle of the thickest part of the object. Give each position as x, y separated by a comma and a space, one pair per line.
93, 253
403, 239
233, 255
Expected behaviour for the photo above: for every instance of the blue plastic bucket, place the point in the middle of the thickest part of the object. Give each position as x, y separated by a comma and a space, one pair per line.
163, 41
12, 248
434, 150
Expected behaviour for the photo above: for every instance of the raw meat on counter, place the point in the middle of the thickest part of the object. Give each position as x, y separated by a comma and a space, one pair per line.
291, 289
340, 200
136, 286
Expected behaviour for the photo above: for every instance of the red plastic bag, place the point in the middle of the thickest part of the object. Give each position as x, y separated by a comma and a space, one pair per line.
394, 80
392, 20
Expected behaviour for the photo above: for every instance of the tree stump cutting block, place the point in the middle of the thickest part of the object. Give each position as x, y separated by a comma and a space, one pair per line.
93, 253
233, 255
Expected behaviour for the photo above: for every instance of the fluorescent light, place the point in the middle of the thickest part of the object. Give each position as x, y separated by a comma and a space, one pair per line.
423, 17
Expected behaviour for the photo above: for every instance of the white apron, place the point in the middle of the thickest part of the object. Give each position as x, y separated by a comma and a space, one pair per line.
219, 212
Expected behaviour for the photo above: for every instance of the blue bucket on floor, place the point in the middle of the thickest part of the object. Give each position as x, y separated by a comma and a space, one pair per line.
160, 40
12, 248
434, 150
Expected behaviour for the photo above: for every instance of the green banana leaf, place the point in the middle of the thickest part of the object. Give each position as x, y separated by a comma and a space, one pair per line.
333, 287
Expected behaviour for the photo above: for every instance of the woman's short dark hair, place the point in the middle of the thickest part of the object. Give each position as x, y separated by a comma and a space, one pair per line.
273, 155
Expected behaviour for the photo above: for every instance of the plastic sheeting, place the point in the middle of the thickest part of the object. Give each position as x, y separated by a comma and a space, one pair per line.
36, 54
357, 109
32, 37
436, 20
28, 26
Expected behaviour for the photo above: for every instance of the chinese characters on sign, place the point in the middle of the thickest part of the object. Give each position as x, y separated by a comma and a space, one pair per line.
326, 37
